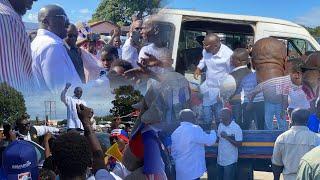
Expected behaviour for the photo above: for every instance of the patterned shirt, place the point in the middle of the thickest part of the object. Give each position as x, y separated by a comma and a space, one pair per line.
15, 51
273, 89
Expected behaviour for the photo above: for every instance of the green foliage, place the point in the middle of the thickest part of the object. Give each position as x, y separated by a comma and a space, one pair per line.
125, 97
101, 119
315, 32
121, 11
63, 122
12, 104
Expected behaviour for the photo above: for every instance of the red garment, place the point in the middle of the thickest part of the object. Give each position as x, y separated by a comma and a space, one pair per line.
136, 145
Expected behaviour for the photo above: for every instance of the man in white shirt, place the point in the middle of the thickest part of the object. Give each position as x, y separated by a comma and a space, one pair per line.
292, 145
31, 133
73, 121
157, 57
52, 67
216, 58
130, 49
188, 142
230, 138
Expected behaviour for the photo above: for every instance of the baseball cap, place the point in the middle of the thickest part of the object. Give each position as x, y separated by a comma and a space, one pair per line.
20, 161
120, 133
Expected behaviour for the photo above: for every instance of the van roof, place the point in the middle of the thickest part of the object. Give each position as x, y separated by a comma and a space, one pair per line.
229, 16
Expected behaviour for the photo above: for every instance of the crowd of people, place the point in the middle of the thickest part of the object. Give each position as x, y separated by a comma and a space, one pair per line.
166, 141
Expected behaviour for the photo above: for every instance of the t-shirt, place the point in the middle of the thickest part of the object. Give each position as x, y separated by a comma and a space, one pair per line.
297, 98
227, 152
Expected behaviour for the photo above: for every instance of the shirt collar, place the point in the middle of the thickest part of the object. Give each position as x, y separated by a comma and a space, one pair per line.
220, 52
299, 128
240, 67
186, 123
76, 97
50, 34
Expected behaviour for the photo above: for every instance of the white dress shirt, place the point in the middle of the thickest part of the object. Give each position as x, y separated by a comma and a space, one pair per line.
51, 65
218, 67
130, 53
188, 152
41, 131
161, 53
73, 120
227, 152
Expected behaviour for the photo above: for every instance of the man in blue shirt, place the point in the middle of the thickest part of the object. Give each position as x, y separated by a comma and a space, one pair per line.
314, 119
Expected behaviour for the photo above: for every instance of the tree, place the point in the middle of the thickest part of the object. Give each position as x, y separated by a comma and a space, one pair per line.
125, 97
12, 104
315, 32
121, 11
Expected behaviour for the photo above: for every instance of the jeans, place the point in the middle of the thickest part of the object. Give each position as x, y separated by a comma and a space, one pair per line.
227, 172
212, 111
256, 114
272, 109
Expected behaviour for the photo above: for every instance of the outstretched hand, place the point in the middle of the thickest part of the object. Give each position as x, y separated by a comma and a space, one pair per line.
84, 114
138, 74
150, 61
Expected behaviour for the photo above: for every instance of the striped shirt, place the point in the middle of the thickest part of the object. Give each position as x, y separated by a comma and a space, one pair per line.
273, 89
15, 51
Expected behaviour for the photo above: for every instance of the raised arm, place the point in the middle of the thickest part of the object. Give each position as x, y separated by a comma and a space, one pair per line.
85, 115
64, 92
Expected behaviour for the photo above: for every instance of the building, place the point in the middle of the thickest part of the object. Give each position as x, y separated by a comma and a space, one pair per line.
105, 27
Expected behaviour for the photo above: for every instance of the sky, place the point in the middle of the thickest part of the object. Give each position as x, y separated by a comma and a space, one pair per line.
305, 12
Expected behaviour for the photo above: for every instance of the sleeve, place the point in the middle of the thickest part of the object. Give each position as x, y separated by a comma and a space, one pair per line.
201, 64
257, 89
42, 130
305, 171
142, 53
54, 68
239, 135
277, 153
202, 137
63, 97
127, 53
229, 68
92, 66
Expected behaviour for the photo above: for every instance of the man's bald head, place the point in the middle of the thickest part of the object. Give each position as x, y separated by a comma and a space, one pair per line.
212, 43
269, 57
269, 48
153, 32
240, 57
53, 18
